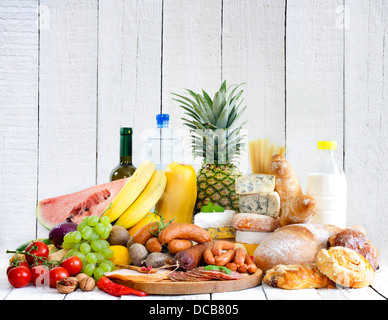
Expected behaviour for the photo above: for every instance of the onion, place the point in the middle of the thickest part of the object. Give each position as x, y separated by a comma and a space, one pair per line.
58, 232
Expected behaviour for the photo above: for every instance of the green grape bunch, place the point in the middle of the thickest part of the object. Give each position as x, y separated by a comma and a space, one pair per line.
89, 244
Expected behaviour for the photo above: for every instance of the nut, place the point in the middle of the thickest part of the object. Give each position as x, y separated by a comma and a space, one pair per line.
81, 276
67, 285
87, 284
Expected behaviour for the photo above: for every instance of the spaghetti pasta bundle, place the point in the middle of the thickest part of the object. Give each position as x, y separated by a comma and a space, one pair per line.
260, 154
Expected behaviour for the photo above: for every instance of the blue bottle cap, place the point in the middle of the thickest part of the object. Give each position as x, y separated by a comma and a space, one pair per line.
162, 120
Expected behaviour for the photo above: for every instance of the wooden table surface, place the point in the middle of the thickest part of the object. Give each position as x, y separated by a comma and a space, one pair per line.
378, 291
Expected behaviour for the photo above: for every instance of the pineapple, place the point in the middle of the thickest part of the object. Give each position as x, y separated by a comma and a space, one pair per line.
216, 138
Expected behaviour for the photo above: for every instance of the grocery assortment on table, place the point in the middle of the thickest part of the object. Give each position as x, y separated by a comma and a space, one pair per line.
162, 228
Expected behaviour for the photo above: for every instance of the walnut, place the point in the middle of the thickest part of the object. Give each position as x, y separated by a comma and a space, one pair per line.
81, 276
87, 284
67, 285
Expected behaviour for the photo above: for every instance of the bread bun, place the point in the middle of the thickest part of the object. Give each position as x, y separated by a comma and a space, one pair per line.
293, 244
345, 267
357, 241
295, 277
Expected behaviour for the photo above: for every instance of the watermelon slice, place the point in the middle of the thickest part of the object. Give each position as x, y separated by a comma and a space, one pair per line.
89, 202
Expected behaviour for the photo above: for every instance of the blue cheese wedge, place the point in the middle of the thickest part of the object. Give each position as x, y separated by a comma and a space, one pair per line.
255, 183
263, 203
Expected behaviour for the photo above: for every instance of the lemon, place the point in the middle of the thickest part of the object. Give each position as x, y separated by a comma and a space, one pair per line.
120, 255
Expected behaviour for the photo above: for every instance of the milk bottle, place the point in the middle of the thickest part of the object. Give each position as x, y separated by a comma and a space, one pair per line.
327, 184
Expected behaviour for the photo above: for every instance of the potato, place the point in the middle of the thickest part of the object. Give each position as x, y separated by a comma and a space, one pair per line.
118, 236
138, 253
156, 259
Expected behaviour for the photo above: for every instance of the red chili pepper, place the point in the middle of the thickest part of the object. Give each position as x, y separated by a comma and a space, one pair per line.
117, 290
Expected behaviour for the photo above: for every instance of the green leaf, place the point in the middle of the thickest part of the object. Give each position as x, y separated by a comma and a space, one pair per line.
218, 104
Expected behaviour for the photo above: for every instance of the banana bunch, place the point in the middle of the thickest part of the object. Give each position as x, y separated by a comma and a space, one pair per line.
139, 195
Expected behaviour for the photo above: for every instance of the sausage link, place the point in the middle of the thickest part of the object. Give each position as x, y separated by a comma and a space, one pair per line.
240, 256
177, 245
153, 245
252, 268
191, 258
243, 268
221, 245
225, 258
208, 256
232, 266
185, 231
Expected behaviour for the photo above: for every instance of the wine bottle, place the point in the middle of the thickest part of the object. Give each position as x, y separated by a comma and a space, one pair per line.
125, 168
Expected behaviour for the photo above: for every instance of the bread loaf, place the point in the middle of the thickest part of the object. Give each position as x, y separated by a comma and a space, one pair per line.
293, 244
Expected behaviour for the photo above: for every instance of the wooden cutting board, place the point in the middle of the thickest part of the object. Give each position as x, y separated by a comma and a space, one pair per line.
168, 287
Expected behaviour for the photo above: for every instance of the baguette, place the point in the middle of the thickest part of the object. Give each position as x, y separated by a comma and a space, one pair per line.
286, 182
293, 244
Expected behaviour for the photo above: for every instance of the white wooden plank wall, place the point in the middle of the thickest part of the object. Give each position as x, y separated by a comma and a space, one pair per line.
72, 72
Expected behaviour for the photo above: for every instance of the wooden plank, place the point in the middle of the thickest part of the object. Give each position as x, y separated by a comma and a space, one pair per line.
18, 121
96, 294
191, 56
253, 52
35, 293
129, 57
167, 298
68, 90
314, 80
349, 294
280, 294
381, 281
256, 293
366, 115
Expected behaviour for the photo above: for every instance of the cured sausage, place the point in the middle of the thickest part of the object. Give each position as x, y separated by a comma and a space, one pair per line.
185, 231
240, 256
191, 258
178, 245
208, 256
221, 245
153, 245
225, 258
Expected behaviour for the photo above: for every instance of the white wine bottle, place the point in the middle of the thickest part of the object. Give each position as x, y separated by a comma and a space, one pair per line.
125, 168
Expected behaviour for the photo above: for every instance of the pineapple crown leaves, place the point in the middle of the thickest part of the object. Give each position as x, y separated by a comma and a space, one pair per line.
213, 123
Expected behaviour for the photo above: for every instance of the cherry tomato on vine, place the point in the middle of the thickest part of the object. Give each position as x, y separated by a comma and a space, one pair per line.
40, 275
19, 277
18, 264
39, 249
57, 274
73, 265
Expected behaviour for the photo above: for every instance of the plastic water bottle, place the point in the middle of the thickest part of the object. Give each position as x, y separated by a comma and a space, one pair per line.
163, 147
327, 184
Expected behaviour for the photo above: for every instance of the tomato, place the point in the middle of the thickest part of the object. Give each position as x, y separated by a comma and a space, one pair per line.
18, 264
73, 265
57, 274
39, 249
40, 275
19, 277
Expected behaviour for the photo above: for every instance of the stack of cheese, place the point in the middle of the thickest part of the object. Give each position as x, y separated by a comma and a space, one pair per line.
218, 224
259, 208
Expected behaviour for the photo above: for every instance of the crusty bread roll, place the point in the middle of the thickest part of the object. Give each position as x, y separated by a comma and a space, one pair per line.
293, 244
345, 266
300, 208
295, 277
357, 241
